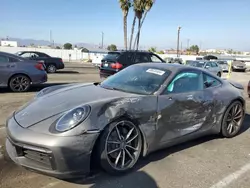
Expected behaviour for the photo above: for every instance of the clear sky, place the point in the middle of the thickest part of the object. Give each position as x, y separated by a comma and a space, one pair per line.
211, 23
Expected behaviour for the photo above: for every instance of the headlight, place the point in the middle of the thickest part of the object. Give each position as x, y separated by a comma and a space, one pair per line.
72, 118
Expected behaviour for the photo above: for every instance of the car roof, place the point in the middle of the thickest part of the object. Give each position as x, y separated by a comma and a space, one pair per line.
130, 51
29, 52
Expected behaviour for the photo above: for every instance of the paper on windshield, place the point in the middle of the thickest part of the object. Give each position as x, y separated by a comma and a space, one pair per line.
156, 71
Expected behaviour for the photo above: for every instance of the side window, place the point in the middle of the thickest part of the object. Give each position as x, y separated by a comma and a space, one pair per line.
154, 58
25, 55
4, 59
210, 81
129, 58
214, 64
185, 82
208, 65
33, 55
140, 58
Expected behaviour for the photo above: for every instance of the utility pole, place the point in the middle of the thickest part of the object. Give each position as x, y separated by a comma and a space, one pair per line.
178, 40
188, 40
50, 37
181, 48
102, 39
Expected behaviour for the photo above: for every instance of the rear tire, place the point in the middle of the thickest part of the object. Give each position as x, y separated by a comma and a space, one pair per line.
51, 68
19, 83
120, 147
232, 120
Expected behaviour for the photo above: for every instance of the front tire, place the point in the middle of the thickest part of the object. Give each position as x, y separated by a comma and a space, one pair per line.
19, 83
219, 74
232, 120
120, 147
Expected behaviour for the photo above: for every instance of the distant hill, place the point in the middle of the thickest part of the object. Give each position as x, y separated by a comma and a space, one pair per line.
27, 42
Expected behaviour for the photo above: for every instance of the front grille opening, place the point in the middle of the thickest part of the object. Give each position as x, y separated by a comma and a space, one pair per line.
43, 159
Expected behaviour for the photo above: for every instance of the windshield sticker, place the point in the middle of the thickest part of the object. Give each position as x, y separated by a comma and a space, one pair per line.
156, 71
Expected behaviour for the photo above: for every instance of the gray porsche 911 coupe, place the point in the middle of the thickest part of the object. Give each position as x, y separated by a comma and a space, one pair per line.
143, 108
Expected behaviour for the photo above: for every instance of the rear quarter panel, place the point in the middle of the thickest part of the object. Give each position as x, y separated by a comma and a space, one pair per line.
28, 68
224, 95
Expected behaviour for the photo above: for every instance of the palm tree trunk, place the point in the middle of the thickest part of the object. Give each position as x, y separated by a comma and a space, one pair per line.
139, 29
132, 33
138, 35
125, 32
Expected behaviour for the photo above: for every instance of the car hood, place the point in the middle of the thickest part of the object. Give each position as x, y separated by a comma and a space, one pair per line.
63, 99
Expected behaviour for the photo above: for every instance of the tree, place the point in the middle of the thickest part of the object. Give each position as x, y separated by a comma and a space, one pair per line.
58, 47
67, 46
160, 52
146, 7
125, 6
112, 47
230, 51
85, 50
152, 49
194, 48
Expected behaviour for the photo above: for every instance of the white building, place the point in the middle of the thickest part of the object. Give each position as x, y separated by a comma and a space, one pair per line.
9, 43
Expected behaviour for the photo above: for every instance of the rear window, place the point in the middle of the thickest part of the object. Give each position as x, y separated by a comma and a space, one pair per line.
112, 56
196, 63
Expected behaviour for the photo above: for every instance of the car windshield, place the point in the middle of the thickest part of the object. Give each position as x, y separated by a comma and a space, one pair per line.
196, 63
137, 79
112, 56
222, 62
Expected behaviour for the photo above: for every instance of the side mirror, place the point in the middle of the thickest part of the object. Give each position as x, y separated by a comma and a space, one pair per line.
208, 84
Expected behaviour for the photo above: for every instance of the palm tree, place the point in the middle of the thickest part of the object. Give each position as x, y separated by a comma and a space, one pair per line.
132, 32
147, 5
139, 9
125, 5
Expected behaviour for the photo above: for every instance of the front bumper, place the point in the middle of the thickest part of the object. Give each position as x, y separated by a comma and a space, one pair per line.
239, 68
57, 156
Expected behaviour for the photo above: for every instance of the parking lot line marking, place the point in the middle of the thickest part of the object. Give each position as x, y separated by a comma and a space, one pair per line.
51, 184
232, 177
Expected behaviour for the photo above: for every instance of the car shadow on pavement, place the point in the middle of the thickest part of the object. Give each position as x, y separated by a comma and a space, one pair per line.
35, 87
66, 72
138, 179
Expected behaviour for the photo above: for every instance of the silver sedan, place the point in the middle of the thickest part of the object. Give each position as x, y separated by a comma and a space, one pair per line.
210, 66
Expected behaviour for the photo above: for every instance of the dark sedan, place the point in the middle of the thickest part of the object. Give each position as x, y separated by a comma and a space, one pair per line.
19, 74
52, 63
142, 108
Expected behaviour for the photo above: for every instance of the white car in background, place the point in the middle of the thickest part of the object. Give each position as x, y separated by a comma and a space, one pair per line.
97, 60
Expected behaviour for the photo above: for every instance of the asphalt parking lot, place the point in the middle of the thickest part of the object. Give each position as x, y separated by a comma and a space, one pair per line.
210, 162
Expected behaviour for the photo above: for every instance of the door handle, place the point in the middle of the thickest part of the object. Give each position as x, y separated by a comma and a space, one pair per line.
170, 98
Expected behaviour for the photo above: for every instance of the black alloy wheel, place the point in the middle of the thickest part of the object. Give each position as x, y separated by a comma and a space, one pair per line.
233, 119
19, 83
120, 147
51, 68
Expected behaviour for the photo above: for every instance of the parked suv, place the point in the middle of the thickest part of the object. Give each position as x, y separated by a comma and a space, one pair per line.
114, 62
